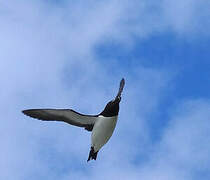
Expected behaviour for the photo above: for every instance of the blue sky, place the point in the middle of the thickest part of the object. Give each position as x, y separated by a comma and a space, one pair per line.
72, 54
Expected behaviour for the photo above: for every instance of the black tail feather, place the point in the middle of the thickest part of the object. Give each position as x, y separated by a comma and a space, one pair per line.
92, 154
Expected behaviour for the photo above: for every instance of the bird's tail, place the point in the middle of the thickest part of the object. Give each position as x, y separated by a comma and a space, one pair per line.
92, 154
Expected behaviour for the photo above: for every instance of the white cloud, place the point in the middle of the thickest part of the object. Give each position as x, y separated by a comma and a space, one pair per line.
48, 60
189, 16
182, 153
188, 136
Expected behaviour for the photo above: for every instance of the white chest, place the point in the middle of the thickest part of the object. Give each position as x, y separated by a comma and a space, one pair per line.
102, 131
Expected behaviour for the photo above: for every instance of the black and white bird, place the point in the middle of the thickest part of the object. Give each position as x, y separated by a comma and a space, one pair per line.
101, 125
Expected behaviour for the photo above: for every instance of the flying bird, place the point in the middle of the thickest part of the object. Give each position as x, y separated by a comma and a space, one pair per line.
101, 125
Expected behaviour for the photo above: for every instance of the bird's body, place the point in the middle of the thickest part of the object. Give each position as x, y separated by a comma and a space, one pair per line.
102, 131
101, 125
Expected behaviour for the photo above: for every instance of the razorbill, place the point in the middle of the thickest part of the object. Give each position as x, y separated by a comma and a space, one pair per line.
101, 125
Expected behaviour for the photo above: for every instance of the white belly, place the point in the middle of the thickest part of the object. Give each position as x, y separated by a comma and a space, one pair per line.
102, 131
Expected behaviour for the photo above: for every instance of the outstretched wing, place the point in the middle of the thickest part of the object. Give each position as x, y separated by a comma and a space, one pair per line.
122, 84
66, 115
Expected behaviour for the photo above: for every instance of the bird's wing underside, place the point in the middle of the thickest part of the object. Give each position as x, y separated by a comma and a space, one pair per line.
66, 115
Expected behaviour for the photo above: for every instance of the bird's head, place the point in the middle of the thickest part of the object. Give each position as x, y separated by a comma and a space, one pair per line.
112, 107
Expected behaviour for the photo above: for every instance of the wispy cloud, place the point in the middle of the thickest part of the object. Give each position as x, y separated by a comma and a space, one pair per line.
182, 152
48, 59
188, 16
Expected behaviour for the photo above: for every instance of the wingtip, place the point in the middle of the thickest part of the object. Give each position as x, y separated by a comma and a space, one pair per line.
24, 111
122, 84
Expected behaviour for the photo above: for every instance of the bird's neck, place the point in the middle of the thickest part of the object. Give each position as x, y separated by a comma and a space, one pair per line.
110, 110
